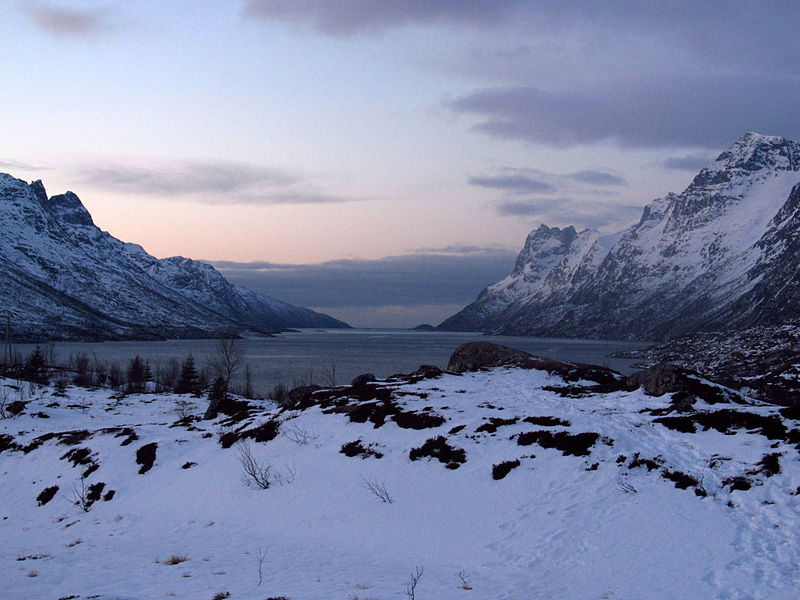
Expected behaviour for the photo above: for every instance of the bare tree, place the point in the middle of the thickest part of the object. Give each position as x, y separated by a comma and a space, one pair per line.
329, 371
227, 355
412, 585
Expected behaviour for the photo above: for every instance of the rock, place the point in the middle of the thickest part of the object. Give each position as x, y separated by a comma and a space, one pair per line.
473, 356
301, 396
427, 372
363, 379
662, 378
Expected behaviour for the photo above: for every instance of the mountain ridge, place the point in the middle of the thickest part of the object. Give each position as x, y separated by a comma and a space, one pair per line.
64, 278
700, 260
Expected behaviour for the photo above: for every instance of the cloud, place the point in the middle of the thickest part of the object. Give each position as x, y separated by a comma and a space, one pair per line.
349, 17
597, 178
703, 112
460, 249
564, 211
690, 162
515, 208
22, 166
207, 182
419, 279
518, 184
67, 22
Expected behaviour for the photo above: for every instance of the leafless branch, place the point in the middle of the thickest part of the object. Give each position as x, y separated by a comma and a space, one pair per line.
378, 489
412, 585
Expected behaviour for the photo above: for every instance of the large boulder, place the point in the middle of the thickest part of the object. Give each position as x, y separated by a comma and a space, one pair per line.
662, 378
474, 356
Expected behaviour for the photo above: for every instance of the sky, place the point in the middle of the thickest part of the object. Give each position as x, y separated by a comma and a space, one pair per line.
381, 160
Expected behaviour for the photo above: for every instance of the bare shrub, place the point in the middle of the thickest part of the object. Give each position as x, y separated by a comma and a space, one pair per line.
462, 576
183, 408
255, 473
261, 555
412, 585
298, 435
378, 489
80, 495
624, 485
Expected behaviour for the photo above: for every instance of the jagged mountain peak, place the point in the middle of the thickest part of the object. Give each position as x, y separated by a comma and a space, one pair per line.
67, 279
720, 254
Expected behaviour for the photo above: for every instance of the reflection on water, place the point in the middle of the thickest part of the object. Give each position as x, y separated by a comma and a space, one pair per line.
292, 357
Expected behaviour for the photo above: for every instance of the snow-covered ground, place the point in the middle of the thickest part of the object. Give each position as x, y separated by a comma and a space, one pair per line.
566, 526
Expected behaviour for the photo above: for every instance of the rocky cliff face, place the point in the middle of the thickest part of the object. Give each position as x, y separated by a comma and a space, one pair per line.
63, 278
721, 255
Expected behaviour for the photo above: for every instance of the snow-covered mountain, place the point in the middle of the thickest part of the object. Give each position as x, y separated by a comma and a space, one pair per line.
722, 255
63, 278
504, 484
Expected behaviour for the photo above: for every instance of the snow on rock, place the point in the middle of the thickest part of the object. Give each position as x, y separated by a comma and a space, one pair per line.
719, 256
523, 482
63, 278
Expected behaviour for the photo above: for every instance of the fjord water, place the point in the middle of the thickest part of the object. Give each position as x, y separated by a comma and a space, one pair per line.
292, 358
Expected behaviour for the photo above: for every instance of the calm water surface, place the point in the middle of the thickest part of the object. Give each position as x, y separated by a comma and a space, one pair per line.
292, 357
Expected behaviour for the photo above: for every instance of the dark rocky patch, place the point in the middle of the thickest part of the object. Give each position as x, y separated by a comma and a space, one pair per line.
109, 495
547, 421
146, 456
356, 448
769, 465
439, 449
681, 480
738, 482
417, 420
499, 471
46, 495
266, 432
576, 444
727, 420
652, 464
15, 408
7, 443
456, 429
95, 491
84, 457
494, 423
791, 412
40, 415
188, 465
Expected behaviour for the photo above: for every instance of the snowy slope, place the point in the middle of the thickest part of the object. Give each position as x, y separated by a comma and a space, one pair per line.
62, 277
562, 524
710, 258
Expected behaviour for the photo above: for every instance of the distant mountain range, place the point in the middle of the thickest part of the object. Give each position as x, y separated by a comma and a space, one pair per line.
722, 255
63, 278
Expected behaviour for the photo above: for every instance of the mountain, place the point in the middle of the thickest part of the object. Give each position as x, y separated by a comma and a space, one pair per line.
61, 277
501, 484
721, 255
